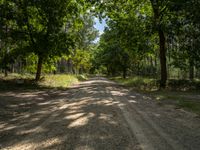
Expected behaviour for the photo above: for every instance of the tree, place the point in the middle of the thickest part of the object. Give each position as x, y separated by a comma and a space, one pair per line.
42, 24
159, 8
6, 25
85, 35
111, 54
162, 12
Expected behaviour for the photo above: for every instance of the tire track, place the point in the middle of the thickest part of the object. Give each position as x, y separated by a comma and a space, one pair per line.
148, 133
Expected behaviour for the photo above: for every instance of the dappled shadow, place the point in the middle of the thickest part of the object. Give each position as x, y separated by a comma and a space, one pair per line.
162, 125
94, 115
83, 117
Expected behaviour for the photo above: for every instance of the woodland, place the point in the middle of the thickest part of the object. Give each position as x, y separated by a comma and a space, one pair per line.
147, 38
65, 84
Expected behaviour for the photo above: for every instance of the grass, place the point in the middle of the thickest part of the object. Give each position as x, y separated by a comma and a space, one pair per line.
151, 84
191, 106
26, 81
16, 76
139, 83
181, 99
56, 81
180, 93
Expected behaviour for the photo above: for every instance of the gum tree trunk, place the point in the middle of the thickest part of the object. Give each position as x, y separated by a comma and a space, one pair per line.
163, 64
191, 70
162, 41
39, 68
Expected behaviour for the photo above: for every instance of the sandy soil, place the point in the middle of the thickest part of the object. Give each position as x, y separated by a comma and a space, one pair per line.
93, 115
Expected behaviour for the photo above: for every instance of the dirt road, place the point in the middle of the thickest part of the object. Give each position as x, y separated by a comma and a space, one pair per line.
93, 115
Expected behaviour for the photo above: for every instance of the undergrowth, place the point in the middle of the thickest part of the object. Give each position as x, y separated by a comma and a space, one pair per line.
27, 82
181, 93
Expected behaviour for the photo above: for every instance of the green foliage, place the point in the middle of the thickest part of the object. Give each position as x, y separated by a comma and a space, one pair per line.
81, 54
36, 35
46, 29
81, 60
123, 46
32, 61
141, 28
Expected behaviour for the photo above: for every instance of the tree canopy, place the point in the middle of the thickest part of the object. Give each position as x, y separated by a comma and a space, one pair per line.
148, 38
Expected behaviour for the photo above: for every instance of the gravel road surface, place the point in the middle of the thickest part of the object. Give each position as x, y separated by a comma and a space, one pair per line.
97, 114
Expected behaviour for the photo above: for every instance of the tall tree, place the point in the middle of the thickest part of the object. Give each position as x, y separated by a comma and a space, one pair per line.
159, 9
6, 25
42, 24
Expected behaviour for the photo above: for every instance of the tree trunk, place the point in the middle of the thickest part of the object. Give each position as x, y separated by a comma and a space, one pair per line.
5, 72
162, 40
39, 68
6, 65
163, 64
124, 72
68, 66
6, 53
191, 70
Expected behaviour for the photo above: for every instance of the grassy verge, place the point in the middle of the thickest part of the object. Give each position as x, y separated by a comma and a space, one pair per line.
189, 101
138, 83
58, 81
26, 81
180, 93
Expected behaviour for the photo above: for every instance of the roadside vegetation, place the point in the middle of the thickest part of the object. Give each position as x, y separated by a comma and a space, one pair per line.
155, 41
150, 46
27, 82
180, 93
152, 84
189, 100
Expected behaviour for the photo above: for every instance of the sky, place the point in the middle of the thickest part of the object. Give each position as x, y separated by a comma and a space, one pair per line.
99, 26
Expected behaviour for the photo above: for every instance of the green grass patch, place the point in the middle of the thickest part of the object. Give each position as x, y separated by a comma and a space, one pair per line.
139, 83
180, 93
187, 100
16, 76
191, 106
26, 81
58, 81
151, 84
183, 85
82, 77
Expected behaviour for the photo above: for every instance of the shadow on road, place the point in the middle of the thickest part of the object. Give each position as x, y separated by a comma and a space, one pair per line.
83, 117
